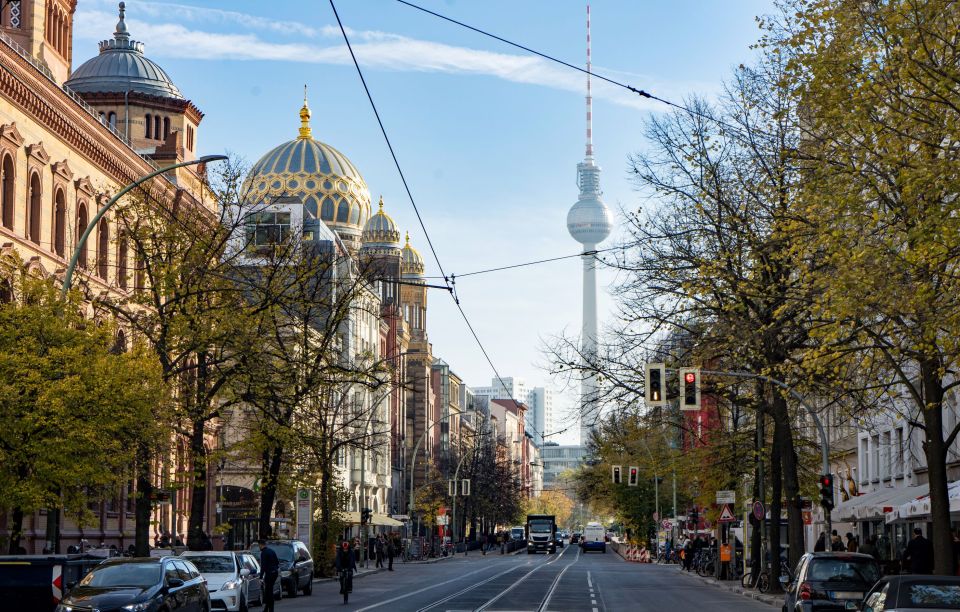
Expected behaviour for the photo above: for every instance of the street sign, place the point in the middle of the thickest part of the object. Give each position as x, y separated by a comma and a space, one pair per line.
758, 511
706, 523
400, 517
667, 525
726, 497
807, 517
304, 515
726, 516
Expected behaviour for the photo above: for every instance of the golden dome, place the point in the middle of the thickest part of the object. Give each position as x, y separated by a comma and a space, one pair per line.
381, 232
411, 263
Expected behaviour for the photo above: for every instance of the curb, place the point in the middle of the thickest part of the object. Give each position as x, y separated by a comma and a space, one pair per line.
739, 590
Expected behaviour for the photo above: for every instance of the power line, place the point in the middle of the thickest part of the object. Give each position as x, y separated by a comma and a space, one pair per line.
640, 92
533, 263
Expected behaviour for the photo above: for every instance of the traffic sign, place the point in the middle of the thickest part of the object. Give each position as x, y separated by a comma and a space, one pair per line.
758, 511
726, 516
666, 525
726, 497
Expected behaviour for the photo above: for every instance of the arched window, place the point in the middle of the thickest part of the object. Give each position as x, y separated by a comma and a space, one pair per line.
122, 262
139, 273
59, 224
156, 127
33, 209
81, 227
103, 118
166, 127
7, 177
6, 291
326, 211
103, 243
120, 344
112, 119
190, 138
148, 127
343, 211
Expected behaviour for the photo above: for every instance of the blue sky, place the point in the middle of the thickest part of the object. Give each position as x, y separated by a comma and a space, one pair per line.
488, 137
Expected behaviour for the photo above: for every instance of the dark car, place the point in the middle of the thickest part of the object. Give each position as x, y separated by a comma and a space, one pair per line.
296, 566
830, 581
575, 538
39, 582
145, 584
913, 593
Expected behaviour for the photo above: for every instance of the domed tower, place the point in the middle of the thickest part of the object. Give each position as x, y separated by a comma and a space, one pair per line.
380, 253
137, 98
590, 223
329, 185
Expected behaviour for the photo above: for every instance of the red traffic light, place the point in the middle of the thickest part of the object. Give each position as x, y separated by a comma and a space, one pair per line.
826, 481
690, 378
633, 472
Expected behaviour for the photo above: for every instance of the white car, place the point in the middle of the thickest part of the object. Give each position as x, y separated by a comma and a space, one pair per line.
231, 578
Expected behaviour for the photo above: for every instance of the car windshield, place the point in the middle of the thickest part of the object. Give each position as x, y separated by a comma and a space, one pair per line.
940, 596
123, 574
213, 564
540, 526
844, 570
284, 552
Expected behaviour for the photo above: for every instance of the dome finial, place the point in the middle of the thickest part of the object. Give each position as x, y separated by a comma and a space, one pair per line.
408, 238
305, 131
381, 205
122, 33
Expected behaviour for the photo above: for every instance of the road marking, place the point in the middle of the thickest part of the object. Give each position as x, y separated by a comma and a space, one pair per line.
589, 581
556, 581
461, 592
524, 577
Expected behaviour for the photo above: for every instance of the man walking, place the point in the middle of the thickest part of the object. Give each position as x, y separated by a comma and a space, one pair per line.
269, 572
391, 551
380, 551
919, 553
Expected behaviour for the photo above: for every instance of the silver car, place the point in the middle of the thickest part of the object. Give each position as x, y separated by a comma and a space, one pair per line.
232, 579
913, 593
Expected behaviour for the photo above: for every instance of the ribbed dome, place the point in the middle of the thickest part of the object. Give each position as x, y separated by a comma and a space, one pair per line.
329, 185
381, 232
122, 67
411, 263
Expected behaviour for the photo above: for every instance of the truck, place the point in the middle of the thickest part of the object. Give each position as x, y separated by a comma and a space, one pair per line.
594, 538
541, 533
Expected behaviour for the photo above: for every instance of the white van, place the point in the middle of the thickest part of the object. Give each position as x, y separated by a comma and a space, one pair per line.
594, 538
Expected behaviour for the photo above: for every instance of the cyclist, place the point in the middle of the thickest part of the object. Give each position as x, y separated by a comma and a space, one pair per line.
346, 564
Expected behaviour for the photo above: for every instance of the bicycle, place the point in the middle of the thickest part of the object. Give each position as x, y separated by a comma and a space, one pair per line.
761, 581
346, 583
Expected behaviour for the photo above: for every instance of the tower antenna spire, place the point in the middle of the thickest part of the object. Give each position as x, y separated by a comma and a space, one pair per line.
589, 94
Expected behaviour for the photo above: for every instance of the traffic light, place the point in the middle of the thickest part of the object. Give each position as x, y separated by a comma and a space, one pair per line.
689, 388
365, 515
465, 487
616, 474
655, 380
826, 491
633, 476
451, 487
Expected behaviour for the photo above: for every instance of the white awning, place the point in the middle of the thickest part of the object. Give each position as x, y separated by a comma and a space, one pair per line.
876, 504
919, 508
377, 520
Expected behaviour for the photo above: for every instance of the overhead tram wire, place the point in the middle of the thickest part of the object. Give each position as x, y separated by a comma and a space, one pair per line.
640, 92
406, 186
534, 263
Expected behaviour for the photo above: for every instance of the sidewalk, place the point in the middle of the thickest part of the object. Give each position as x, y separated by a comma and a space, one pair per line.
735, 587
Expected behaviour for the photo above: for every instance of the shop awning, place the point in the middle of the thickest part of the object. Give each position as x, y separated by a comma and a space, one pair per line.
919, 508
377, 520
876, 504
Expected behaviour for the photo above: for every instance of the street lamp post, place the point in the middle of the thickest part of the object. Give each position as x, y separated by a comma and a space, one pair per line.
68, 277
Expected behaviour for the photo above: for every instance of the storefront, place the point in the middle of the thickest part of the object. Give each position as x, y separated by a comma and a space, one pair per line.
869, 513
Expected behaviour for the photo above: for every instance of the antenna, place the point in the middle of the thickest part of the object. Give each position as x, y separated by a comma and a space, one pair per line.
589, 94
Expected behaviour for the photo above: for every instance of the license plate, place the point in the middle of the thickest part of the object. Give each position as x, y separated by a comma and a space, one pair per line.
847, 595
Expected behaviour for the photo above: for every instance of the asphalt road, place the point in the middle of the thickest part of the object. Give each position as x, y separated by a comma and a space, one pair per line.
567, 582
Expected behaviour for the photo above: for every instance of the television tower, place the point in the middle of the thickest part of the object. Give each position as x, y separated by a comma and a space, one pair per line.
590, 223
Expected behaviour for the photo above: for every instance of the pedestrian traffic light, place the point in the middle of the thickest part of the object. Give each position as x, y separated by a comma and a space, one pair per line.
452, 487
689, 388
826, 491
616, 474
365, 514
655, 380
633, 476
465, 487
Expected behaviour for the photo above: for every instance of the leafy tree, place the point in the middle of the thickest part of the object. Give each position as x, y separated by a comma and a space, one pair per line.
552, 502
74, 407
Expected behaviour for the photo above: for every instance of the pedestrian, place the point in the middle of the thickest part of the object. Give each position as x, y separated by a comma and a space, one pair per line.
851, 543
836, 544
870, 547
919, 553
502, 543
821, 544
269, 572
346, 564
379, 547
391, 551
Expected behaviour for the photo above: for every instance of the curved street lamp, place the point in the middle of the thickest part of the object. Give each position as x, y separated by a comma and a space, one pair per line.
68, 277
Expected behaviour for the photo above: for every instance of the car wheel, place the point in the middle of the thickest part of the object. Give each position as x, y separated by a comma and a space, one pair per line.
308, 590
243, 606
292, 591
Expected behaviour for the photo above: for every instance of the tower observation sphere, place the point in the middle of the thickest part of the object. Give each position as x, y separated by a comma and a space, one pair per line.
589, 220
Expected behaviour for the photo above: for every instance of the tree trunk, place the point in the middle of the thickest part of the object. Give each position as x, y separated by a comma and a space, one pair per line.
141, 537
325, 562
270, 476
776, 490
783, 436
16, 531
935, 450
198, 486
52, 535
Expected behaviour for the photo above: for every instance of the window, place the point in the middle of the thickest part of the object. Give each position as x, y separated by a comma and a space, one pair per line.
122, 262
343, 211
265, 230
10, 14
81, 227
59, 224
190, 138
33, 210
170, 572
156, 127
112, 120
7, 183
326, 211
166, 127
875, 458
139, 274
148, 127
103, 243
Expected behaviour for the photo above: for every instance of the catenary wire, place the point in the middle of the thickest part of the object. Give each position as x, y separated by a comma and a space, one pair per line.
533, 263
406, 186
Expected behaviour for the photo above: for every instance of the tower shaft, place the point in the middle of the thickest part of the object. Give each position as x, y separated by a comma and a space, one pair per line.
589, 409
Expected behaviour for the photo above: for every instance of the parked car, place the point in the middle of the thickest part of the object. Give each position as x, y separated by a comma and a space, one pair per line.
913, 593
830, 581
296, 566
39, 582
277, 587
146, 583
234, 584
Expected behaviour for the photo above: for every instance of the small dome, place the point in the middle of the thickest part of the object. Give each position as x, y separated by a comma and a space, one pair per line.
122, 67
411, 263
329, 185
381, 231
